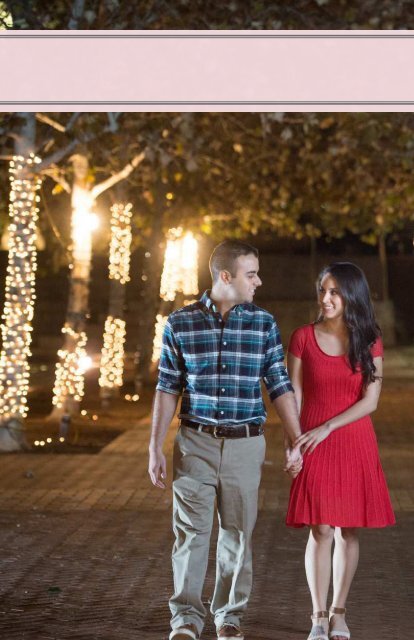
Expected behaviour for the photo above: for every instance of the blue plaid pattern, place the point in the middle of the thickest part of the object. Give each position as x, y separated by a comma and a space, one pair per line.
218, 366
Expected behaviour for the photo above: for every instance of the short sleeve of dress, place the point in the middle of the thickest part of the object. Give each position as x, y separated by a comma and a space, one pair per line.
377, 349
297, 342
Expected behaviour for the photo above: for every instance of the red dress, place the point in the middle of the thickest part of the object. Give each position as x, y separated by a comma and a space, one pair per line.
342, 482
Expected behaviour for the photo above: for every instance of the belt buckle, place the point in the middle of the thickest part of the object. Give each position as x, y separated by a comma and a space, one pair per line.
215, 433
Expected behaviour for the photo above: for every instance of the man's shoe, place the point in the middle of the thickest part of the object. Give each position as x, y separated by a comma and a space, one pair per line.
230, 632
185, 632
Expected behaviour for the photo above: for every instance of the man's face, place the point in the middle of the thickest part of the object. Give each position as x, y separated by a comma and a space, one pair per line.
246, 280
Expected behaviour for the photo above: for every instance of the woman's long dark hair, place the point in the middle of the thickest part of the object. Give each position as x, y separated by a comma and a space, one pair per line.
359, 316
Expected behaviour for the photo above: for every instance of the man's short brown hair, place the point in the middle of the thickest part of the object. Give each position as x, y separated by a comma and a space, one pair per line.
225, 255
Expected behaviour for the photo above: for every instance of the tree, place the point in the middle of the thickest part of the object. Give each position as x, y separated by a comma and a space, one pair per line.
19, 297
26, 175
27, 172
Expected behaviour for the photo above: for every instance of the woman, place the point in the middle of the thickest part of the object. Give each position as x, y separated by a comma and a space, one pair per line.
335, 365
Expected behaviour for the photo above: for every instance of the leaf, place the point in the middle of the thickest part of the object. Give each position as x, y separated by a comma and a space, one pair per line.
326, 123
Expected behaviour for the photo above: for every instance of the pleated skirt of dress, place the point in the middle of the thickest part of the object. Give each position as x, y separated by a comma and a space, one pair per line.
342, 483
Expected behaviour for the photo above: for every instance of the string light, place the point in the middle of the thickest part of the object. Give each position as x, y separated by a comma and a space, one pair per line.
20, 287
179, 275
180, 265
120, 247
160, 322
69, 378
112, 357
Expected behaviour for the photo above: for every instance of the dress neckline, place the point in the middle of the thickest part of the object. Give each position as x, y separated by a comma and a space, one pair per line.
328, 355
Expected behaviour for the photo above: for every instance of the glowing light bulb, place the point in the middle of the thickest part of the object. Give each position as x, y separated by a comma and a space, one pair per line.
84, 363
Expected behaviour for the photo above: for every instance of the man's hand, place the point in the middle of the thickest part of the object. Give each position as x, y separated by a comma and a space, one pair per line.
157, 467
310, 440
294, 461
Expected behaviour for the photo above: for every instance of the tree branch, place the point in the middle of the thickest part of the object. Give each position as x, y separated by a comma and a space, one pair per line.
57, 175
113, 121
121, 175
41, 117
72, 121
58, 155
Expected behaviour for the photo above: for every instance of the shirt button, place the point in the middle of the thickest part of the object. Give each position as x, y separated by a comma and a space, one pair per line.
223, 366
224, 343
223, 391
222, 413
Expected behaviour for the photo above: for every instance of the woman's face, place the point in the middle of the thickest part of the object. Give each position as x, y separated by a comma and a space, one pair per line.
330, 299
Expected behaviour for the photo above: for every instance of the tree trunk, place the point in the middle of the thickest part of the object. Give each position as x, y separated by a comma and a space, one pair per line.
20, 287
69, 381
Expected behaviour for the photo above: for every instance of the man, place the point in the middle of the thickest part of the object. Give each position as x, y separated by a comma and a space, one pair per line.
215, 353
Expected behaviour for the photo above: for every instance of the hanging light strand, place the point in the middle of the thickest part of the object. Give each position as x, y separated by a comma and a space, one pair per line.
69, 377
180, 272
120, 248
179, 275
160, 323
20, 295
112, 356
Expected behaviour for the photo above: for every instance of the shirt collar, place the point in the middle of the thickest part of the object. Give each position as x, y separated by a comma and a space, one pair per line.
210, 306
207, 301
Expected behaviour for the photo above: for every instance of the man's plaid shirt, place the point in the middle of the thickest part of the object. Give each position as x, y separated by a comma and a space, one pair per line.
217, 366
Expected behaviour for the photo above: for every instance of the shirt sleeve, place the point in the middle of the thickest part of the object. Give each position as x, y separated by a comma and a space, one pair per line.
275, 375
377, 349
297, 343
171, 369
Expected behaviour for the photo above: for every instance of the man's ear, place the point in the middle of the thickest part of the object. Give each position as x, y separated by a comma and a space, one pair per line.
225, 276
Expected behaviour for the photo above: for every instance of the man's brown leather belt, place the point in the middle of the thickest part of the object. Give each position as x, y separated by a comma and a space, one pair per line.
226, 431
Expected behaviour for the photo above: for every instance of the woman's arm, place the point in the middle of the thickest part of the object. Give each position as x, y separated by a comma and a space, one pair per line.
294, 366
365, 406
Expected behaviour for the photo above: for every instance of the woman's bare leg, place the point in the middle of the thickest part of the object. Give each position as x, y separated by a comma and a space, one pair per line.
318, 568
345, 563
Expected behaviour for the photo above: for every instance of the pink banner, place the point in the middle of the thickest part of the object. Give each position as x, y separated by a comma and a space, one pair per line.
207, 70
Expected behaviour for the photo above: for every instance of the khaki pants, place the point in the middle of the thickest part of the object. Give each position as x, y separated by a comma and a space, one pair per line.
206, 469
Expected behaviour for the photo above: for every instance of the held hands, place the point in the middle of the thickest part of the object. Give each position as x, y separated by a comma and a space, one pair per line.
157, 468
293, 461
310, 440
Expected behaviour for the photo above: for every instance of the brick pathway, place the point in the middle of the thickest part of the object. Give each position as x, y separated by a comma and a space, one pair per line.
85, 545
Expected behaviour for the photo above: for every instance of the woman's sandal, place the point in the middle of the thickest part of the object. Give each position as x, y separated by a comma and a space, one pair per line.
337, 635
318, 631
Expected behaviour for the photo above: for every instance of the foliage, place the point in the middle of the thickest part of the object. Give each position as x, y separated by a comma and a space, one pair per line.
208, 14
290, 175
